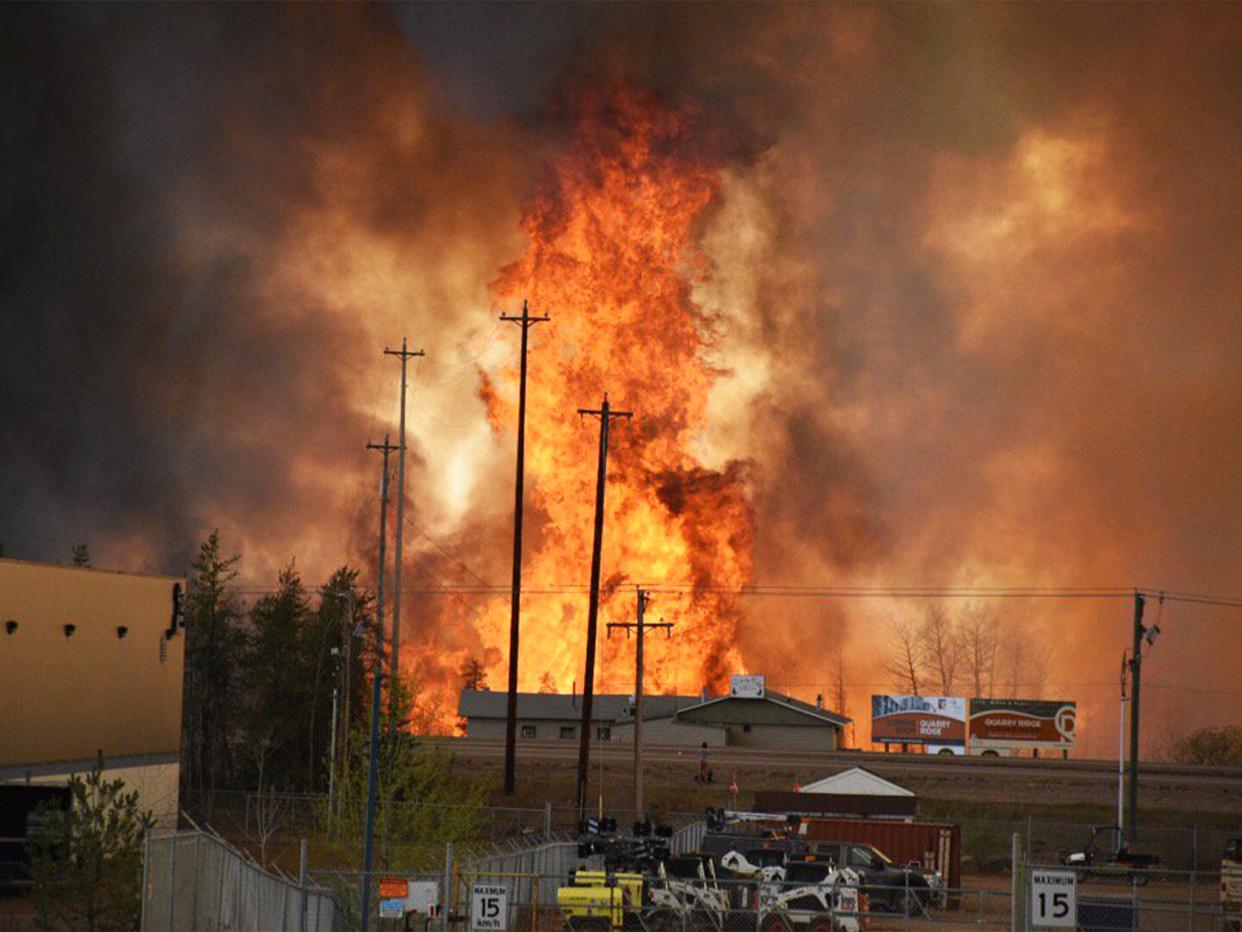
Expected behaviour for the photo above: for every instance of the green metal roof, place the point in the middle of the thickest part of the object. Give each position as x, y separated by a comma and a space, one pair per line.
772, 709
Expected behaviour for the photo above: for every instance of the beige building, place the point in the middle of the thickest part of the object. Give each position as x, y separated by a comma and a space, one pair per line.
91, 661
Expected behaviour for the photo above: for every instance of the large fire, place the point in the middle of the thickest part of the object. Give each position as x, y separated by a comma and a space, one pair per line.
611, 258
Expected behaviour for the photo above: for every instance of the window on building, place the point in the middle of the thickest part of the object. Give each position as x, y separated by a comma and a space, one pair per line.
603, 733
528, 731
567, 731
746, 728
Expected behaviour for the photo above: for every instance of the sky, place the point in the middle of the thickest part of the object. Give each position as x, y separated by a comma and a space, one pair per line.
962, 296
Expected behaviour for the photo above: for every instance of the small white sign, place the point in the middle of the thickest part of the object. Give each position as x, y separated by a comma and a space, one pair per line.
1054, 899
489, 906
746, 687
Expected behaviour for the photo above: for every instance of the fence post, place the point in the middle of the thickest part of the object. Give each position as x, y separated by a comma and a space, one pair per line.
146, 867
547, 821
1194, 871
302, 886
446, 899
172, 879
1015, 858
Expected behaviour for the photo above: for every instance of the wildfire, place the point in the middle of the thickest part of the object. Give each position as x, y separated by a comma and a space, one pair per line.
612, 258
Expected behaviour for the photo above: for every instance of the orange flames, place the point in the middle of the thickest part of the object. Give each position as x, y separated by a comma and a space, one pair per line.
611, 258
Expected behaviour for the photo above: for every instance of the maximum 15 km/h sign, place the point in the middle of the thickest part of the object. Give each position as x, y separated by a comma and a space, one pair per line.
1054, 899
489, 906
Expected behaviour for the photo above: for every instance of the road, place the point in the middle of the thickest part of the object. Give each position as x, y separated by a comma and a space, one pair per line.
894, 765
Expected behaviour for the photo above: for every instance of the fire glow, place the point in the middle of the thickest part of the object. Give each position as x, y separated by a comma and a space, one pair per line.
611, 258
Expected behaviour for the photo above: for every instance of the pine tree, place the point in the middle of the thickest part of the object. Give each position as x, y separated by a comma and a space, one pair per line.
215, 646
279, 679
86, 861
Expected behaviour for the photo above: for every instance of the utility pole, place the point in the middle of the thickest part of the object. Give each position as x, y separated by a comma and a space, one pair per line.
394, 658
640, 625
526, 321
377, 674
604, 413
347, 649
1121, 756
1136, 671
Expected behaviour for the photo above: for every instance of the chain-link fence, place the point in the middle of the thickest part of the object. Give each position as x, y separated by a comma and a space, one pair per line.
195, 881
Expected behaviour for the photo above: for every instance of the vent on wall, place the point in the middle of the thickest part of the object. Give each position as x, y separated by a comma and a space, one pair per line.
69, 629
121, 631
10, 626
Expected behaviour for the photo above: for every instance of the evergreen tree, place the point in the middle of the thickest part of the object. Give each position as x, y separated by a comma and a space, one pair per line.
215, 646
86, 861
280, 681
343, 607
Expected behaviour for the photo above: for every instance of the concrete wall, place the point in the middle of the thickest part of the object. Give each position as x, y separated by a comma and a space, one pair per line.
67, 698
785, 737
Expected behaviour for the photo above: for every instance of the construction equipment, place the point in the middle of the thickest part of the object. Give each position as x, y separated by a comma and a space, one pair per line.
1117, 861
1231, 885
600, 900
812, 895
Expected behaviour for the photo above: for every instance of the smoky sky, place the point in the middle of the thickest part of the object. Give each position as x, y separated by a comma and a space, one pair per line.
973, 286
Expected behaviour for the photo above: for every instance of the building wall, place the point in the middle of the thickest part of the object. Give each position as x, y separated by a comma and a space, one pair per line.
67, 698
670, 731
157, 783
786, 737
545, 729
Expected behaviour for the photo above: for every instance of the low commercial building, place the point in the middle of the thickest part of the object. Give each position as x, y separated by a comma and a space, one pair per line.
555, 716
754, 716
91, 662
750, 716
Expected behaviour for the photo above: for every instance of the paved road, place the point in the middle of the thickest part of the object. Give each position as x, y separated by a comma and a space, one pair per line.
895, 765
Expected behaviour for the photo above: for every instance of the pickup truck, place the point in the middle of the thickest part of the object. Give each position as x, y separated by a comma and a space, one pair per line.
889, 887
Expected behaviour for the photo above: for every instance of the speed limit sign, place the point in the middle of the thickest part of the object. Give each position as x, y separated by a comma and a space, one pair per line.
1054, 901
489, 906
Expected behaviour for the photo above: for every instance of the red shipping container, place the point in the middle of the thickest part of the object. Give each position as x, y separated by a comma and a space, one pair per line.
932, 845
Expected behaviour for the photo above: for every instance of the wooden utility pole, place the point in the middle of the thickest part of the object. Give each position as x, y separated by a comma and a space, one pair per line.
526, 321
395, 656
605, 414
1132, 818
377, 674
640, 626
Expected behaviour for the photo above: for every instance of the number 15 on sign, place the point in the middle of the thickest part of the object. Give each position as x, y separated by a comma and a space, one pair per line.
489, 906
1054, 899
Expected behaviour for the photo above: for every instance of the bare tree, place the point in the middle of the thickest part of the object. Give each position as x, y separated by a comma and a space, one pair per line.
1025, 660
906, 656
940, 647
979, 642
838, 685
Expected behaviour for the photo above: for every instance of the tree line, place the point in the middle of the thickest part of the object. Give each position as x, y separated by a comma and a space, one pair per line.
259, 678
943, 652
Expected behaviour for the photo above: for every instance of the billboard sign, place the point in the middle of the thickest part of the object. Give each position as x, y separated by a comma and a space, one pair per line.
918, 720
1022, 723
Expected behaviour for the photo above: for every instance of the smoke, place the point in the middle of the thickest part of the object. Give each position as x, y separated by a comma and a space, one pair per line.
972, 282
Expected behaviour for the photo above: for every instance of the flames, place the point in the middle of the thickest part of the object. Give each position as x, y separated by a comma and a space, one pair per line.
611, 257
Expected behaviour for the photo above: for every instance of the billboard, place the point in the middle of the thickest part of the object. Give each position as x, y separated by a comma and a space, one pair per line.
1022, 723
918, 719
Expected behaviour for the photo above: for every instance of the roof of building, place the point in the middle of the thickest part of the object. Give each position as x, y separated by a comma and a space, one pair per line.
857, 781
772, 708
487, 703
74, 568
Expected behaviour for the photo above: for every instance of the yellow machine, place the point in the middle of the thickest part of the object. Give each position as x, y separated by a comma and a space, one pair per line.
601, 900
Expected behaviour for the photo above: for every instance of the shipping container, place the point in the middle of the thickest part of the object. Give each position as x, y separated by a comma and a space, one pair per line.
931, 845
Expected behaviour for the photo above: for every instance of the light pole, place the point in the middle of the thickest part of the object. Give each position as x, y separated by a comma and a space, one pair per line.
1121, 753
